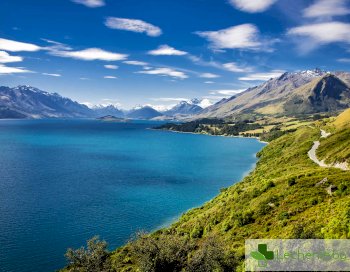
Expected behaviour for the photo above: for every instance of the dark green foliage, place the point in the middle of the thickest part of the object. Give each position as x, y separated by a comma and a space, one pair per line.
292, 181
93, 258
162, 253
209, 257
211, 126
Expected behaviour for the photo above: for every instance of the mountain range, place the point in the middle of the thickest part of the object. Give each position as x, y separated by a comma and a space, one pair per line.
30, 102
304, 92
291, 94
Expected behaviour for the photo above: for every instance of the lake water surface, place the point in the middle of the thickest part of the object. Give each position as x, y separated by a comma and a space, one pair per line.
64, 181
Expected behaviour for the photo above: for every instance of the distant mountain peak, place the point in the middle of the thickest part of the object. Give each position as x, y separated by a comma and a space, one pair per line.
30, 102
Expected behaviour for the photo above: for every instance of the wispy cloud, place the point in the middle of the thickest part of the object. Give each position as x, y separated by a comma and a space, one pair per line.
165, 72
262, 76
133, 25
135, 62
209, 75
7, 58
170, 99
56, 46
234, 67
252, 6
6, 70
244, 36
346, 60
53, 75
166, 50
227, 92
231, 66
91, 54
110, 77
209, 82
14, 46
112, 67
315, 35
327, 8
90, 3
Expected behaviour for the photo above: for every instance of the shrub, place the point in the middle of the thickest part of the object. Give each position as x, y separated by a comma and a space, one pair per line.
197, 232
163, 253
209, 257
93, 258
292, 181
283, 215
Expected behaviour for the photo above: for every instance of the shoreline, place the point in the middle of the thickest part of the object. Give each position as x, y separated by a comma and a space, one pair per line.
196, 133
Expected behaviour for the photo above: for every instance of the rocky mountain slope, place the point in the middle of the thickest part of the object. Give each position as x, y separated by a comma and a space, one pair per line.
185, 108
310, 91
101, 110
30, 102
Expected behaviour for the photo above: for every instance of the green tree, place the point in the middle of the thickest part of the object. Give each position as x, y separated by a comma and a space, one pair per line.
94, 258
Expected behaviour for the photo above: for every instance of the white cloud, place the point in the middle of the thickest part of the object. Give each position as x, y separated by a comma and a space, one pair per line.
91, 54
12, 70
53, 75
227, 92
165, 72
252, 6
205, 103
170, 99
110, 77
208, 75
209, 82
262, 76
84, 78
56, 46
135, 62
90, 3
344, 60
233, 67
327, 8
133, 25
236, 37
160, 108
7, 58
109, 66
166, 50
318, 34
14, 46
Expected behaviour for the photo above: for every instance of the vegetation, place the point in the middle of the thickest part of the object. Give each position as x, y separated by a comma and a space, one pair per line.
93, 258
285, 196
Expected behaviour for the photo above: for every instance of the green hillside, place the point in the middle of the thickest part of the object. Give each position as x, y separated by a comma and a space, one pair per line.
286, 196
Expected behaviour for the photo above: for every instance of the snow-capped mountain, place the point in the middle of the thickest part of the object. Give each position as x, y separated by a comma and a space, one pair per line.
191, 107
30, 102
103, 110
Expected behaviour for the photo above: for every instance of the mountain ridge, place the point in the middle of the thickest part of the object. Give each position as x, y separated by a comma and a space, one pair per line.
269, 97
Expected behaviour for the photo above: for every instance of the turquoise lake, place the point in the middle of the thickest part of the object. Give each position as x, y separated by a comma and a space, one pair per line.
64, 181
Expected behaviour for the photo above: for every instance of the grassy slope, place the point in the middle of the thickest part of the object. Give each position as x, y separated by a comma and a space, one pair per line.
336, 148
278, 199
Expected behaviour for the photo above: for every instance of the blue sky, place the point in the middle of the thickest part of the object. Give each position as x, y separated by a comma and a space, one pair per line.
161, 51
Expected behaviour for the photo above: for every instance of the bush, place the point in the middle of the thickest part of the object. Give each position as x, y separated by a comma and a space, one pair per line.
93, 258
163, 253
292, 181
197, 232
209, 257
